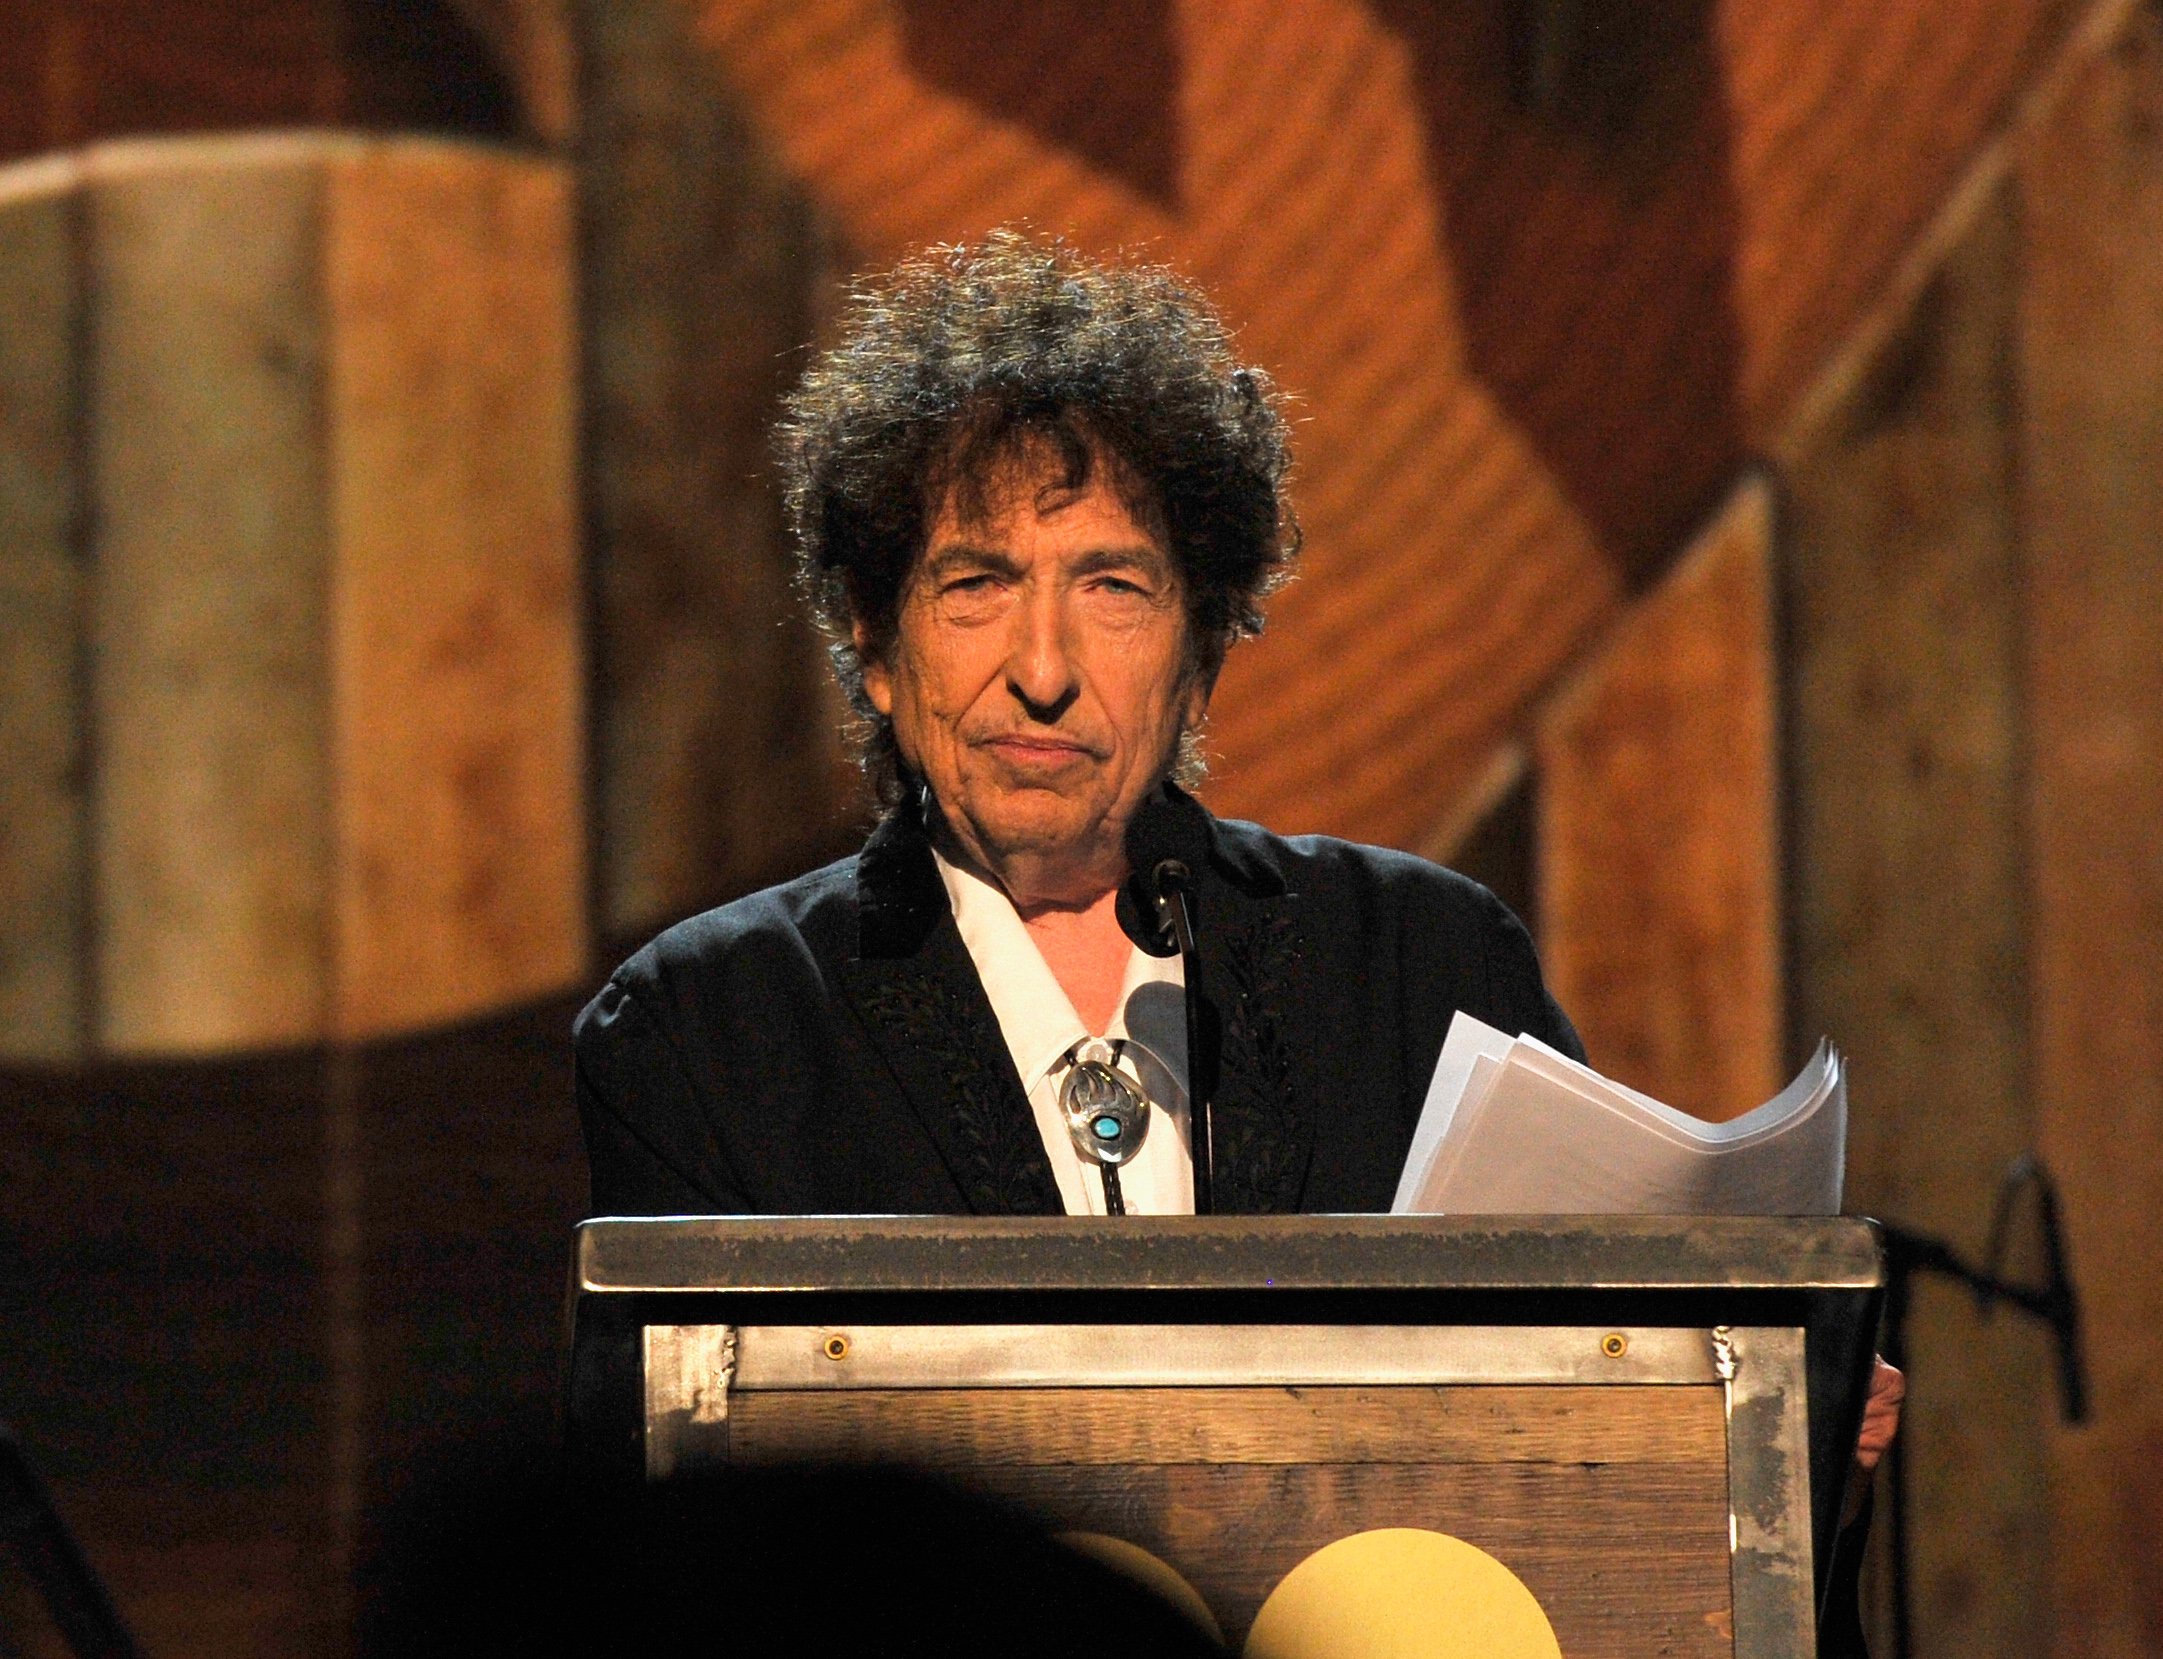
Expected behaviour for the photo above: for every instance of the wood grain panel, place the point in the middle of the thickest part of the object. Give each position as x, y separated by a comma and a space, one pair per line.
953, 1427
44, 988
1609, 1502
1621, 1558
1624, 1559
2090, 185
1853, 121
454, 621
1901, 593
1658, 873
211, 836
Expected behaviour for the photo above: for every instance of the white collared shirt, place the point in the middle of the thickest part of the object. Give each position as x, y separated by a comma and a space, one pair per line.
1148, 1031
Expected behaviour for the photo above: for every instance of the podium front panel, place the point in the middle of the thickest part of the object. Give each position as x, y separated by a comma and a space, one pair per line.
1637, 1463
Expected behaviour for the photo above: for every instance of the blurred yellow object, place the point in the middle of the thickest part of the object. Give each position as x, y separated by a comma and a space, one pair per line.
1401, 1593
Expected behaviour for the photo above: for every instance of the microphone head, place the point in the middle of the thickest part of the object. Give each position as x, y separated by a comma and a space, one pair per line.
1166, 841
1142, 920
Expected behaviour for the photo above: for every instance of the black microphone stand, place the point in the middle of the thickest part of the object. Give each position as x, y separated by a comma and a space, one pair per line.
72, 1591
1170, 883
2053, 1303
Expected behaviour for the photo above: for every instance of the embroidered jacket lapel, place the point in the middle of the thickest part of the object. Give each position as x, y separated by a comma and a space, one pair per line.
912, 980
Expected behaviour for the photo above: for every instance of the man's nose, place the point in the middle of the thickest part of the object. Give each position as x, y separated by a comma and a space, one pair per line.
1040, 666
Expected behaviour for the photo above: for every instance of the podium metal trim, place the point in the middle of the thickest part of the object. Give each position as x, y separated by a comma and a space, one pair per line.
778, 1255
1205, 1356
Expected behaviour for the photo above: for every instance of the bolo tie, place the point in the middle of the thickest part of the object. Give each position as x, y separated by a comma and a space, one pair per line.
1107, 1116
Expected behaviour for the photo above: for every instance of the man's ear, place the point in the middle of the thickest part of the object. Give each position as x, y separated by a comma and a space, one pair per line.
1198, 701
1201, 683
878, 683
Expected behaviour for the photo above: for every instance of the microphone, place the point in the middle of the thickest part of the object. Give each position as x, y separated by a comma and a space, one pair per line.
1165, 843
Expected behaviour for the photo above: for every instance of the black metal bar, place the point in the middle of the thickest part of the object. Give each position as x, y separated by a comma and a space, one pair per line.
2054, 1304
73, 1593
1201, 1121
1899, 1289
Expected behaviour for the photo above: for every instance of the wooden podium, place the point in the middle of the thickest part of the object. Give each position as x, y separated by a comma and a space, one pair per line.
1646, 1421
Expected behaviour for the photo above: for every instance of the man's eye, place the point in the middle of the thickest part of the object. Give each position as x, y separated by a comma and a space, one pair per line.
974, 598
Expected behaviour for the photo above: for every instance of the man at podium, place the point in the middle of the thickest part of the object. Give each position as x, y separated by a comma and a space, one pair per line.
1035, 501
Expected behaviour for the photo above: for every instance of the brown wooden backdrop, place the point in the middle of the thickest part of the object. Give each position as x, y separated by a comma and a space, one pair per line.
1728, 450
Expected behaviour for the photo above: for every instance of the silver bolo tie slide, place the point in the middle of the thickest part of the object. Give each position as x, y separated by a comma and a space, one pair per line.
1107, 1117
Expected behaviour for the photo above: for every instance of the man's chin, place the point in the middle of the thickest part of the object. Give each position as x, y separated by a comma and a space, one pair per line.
1035, 824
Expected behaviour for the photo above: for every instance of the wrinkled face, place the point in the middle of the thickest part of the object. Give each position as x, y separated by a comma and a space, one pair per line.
1040, 678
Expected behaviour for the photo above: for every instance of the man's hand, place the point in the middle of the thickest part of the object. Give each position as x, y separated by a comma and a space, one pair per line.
1881, 1421
1881, 1417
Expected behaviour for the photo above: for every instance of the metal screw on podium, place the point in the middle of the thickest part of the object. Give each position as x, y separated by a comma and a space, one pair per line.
837, 1346
1614, 1345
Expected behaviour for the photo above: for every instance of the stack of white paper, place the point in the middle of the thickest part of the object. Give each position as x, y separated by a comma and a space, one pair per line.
1511, 1127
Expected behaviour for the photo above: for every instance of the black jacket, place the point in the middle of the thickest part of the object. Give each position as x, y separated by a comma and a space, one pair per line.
825, 1047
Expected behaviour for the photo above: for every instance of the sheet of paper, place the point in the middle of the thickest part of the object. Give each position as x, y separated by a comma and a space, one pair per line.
1466, 1040
1512, 1127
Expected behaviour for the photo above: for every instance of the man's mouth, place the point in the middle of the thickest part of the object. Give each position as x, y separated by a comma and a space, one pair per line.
1027, 751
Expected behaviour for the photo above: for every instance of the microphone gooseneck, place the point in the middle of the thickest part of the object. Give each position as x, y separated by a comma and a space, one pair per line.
1171, 883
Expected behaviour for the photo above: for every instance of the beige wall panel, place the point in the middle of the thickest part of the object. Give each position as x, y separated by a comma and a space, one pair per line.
1900, 599
43, 984
208, 679
1657, 854
2091, 348
461, 874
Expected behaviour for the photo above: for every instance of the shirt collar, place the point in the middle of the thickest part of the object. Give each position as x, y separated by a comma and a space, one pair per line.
1035, 1015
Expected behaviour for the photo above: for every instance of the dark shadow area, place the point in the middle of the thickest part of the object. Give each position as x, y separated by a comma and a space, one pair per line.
1097, 77
172, 1305
415, 65
472, 1177
160, 1231
58, 1594
76, 71
1502, 851
1581, 157
485, 1559
162, 1317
